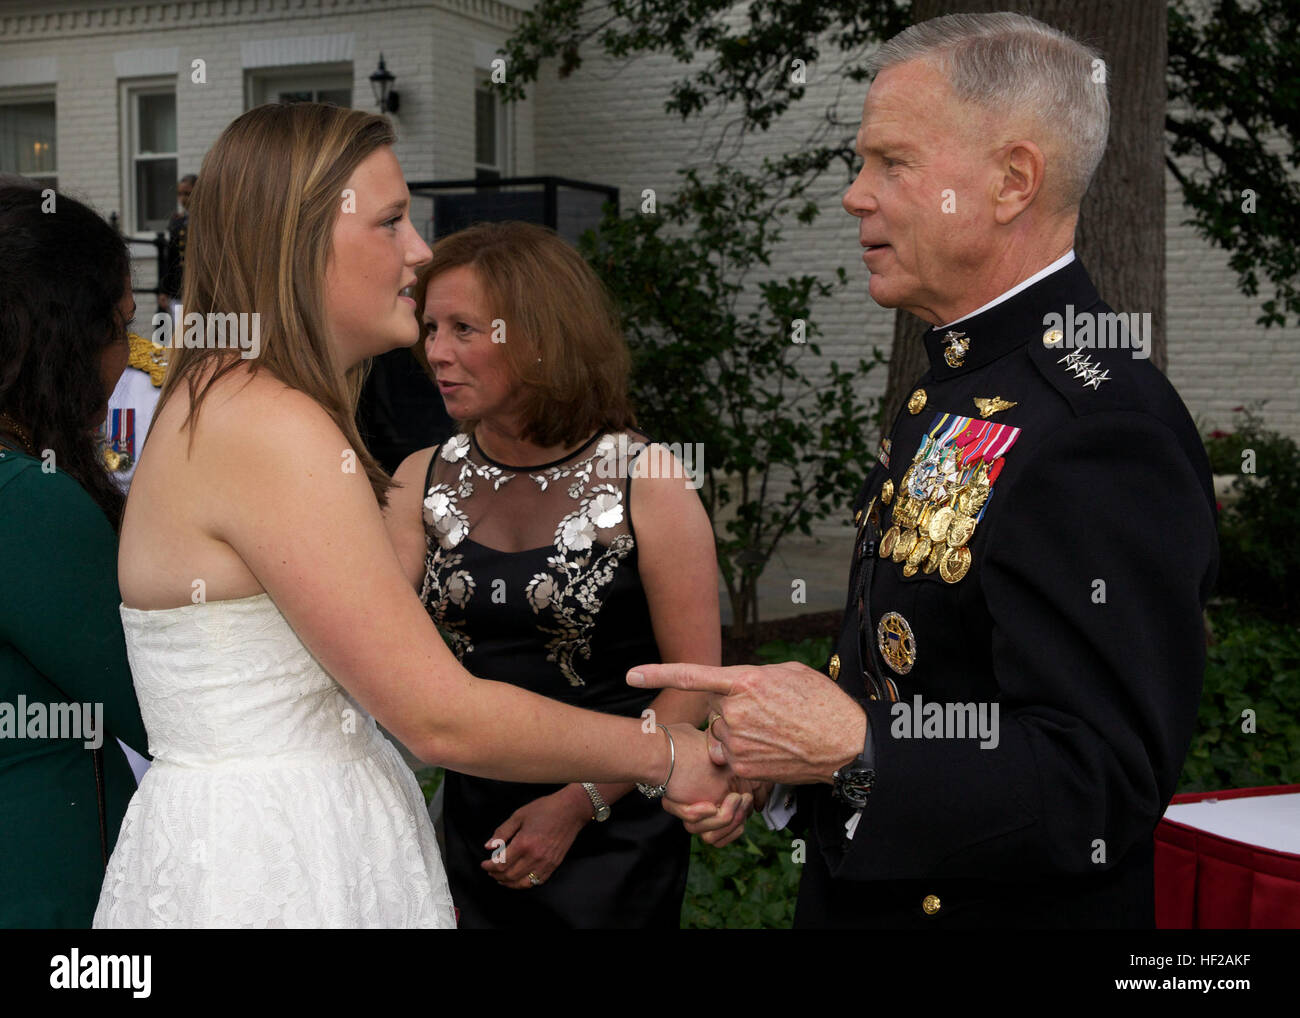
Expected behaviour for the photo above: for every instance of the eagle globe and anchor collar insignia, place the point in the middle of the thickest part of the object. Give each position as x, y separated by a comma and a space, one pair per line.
958, 346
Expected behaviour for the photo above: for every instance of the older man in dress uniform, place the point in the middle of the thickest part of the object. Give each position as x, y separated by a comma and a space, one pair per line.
1013, 692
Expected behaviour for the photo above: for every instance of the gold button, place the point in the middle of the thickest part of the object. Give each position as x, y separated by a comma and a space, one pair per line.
1052, 337
887, 492
834, 668
916, 402
857, 517
931, 904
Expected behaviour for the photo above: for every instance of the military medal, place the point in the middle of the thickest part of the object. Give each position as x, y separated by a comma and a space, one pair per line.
896, 642
940, 523
906, 542
954, 564
945, 491
960, 531
958, 347
888, 541
120, 450
887, 492
920, 553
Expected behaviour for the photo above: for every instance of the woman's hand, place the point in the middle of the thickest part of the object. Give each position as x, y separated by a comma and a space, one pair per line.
537, 837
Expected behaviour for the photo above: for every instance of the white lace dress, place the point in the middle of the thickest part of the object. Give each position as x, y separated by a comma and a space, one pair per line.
273, 799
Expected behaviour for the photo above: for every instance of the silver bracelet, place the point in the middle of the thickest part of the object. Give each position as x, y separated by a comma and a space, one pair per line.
600, 808
657, 791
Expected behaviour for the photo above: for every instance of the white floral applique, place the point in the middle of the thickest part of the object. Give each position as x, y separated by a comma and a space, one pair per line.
570, 593
446, 583
443, 517
580, 471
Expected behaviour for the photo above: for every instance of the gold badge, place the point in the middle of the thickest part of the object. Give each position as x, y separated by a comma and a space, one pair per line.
960, 532
896, 642
916, 402
888, 541
990, 405
887, 492
834, 667
954, 564
958, 347
906, 542
919, 554
939, 524
1052, 337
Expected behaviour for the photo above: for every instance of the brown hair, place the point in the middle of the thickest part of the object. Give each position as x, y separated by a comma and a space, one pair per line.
554, 308
261, 231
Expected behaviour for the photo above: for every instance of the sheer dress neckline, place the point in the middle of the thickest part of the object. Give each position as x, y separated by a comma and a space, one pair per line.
473, 439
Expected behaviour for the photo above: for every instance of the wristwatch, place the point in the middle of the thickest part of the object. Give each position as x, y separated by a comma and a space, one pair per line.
598, 803
852, 783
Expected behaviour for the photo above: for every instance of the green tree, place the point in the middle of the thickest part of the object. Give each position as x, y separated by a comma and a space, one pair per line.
720, 358
1232, 111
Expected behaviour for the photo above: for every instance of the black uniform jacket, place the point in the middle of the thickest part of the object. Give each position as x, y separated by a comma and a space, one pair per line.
1064, 587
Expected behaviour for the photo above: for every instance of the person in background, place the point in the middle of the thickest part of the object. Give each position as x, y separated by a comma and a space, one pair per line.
169, 284
65, 685
555, 546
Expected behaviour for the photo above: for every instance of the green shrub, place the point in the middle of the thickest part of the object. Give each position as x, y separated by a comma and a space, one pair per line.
1253, 664
1259, 552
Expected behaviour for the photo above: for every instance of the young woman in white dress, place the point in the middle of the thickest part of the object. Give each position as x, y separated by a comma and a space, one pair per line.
267, 618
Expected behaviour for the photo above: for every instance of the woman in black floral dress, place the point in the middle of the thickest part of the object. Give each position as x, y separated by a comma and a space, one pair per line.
555, 547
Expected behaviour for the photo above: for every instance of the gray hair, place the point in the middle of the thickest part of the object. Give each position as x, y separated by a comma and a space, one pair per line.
1013, 63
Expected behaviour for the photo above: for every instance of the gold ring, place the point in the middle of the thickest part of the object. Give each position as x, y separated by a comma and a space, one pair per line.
532, 879
713, 721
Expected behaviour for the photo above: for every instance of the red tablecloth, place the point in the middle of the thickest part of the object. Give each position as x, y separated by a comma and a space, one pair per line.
1208, 881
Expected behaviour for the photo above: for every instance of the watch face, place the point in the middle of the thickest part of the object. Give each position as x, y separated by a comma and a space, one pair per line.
602, 813
853, 785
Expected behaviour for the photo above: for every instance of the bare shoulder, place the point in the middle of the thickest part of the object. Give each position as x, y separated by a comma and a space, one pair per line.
404, 514
665, 478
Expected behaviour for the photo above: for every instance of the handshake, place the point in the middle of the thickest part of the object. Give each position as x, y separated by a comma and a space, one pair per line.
781, 723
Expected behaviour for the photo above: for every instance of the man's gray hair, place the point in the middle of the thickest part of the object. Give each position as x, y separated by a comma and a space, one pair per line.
1012, 63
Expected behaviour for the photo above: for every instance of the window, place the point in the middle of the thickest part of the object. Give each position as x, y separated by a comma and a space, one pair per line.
27, 140
489, 132
151, 156
331, 85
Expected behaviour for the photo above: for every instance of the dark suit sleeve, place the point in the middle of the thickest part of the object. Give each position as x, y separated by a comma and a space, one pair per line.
170, 280
1097, 699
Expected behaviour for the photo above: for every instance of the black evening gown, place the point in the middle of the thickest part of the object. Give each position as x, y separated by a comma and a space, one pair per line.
531, 575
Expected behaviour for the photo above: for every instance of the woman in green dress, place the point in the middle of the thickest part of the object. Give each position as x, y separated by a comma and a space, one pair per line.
65, 686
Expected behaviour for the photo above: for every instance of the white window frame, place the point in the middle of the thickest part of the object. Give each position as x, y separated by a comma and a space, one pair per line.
130, 92
31, 97
482, 83
262, 82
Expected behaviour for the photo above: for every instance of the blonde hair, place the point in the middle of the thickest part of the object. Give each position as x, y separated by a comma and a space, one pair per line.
565, 343
260, 235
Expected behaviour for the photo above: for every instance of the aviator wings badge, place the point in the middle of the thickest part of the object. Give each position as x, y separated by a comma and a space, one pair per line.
990, 405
